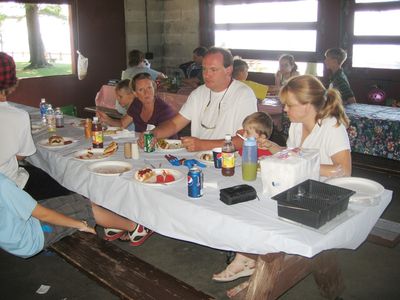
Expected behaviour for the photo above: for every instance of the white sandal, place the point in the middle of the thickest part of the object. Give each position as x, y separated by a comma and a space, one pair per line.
139, 235
111, 234
227, 275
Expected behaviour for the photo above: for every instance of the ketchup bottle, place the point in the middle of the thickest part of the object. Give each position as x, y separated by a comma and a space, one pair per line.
97, 133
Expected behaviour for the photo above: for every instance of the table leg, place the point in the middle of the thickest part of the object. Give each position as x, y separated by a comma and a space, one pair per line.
327, 274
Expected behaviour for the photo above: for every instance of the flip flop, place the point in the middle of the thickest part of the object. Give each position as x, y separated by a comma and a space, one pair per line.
111, 234
227, 275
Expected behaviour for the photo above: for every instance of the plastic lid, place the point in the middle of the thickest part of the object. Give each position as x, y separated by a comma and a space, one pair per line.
228, 137
95, 119
250, 141
43, 100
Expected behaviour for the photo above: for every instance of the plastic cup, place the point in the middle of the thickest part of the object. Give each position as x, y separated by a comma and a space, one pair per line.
217, 157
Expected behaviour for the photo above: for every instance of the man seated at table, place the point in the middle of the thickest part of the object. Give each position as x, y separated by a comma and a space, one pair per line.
137, 64
193, 70
15, 127
27, 227
214, 109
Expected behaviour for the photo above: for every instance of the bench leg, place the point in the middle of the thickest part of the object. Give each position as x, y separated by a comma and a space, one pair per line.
327, 274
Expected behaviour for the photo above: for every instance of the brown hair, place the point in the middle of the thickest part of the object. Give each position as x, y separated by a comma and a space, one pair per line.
308, 89
124, 85
135, 57
338, 54
261, 122
141, 76
239, 65
227, 55
290, 59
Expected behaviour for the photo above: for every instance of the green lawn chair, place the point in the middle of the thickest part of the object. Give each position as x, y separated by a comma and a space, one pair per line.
69, 110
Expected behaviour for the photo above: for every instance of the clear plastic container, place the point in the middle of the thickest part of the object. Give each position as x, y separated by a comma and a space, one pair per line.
42, 108
50, 118
249, 159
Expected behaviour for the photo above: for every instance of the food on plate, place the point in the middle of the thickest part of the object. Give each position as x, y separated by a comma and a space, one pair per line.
207, 157
111, 148
164, 144
56, 140
110, 132
144, 174
165, 177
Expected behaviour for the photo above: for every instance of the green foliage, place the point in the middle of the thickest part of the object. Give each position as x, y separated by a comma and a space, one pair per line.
52, 10
56, 69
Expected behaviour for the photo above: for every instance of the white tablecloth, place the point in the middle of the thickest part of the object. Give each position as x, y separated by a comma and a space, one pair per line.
251, 227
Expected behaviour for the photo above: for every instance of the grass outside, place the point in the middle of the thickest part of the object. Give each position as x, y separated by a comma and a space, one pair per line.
55, 69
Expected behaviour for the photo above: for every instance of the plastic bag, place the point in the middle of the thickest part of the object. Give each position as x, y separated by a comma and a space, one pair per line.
82, 66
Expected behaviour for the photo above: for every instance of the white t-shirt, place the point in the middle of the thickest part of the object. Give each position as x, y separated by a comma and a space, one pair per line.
16, 139
328, 138
225, 111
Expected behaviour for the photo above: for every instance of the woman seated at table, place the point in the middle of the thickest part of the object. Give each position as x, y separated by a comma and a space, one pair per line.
145, 108
136, 63
319, 122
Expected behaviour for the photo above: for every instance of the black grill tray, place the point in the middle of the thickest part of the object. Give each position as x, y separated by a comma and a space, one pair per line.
312, 203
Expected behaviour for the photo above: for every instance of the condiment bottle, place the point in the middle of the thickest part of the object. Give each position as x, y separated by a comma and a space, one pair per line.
228, 157
249, 159
59, 118
97, 133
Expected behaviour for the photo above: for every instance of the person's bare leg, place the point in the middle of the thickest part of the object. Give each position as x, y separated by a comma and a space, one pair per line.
110, 219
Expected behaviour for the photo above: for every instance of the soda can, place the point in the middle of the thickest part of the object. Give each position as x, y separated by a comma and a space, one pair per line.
148, 137
195, 182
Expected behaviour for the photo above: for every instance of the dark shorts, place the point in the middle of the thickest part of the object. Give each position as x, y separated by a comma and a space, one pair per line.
74, 206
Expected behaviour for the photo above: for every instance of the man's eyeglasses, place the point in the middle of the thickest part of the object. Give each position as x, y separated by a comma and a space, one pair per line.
219, 110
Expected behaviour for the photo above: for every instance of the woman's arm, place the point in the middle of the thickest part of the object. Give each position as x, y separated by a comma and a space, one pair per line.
341, 165
124, 122
52, 217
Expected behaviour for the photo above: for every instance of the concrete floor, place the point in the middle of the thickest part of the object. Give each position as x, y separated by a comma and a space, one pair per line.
370, 272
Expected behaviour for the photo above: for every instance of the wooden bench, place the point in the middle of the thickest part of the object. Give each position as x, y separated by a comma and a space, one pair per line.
123, 273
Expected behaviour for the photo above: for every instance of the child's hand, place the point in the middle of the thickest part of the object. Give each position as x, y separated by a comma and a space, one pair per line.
264, 143
86, 228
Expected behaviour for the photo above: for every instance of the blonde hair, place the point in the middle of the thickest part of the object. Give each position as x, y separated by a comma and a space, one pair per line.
308, 89
261, 122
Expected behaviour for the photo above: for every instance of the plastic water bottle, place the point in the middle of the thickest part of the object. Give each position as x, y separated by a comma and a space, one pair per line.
42, 108
228, 157
59, 118
50, 119
249, 159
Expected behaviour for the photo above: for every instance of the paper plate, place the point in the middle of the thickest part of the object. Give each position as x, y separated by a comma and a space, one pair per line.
204, 155
45, 143
90, 155
152, 180
109, 168
367, 191
173, 146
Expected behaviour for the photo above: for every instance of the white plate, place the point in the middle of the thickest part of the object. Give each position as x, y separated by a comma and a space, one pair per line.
151, 181
45, 143
85, 156
109, 168
77, 123
175, 144
367, 191
199, 157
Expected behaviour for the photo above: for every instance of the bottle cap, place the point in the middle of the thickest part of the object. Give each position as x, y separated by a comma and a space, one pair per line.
95, 119
228, 137
250, 141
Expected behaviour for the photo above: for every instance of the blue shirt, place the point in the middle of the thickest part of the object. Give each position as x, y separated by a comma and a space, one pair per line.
20, 233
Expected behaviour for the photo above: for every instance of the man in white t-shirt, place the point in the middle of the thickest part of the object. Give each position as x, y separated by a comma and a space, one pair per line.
214, 109
15, 128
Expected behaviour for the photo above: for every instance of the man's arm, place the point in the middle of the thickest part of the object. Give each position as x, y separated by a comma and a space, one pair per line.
51, 216
170, 127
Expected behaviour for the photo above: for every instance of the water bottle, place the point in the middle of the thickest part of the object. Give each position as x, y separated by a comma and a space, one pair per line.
249, 159
50, 119
42, 108
59, 118
228, 157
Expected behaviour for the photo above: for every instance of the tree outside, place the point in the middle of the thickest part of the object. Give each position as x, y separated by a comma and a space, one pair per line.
38, 37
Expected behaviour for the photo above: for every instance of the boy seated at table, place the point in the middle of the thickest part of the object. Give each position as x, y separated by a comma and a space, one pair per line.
260, 126
27, 227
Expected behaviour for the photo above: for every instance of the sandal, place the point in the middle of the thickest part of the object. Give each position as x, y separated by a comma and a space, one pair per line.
139, 235
111, 234
245, 268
